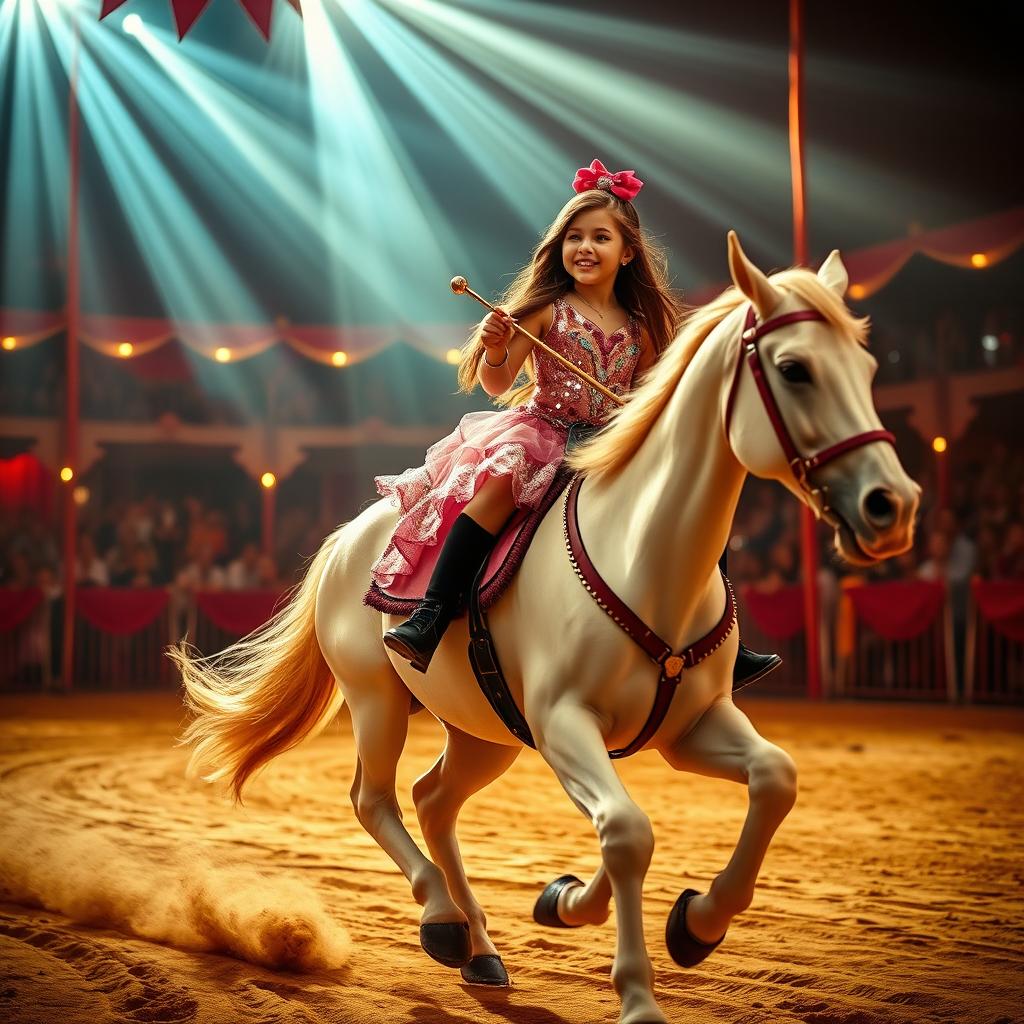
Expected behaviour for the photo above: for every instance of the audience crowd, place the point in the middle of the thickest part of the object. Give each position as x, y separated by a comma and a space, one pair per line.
190, 544
156, 542
980, 532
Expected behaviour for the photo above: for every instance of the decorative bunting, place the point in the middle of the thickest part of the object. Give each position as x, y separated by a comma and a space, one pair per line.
186, 12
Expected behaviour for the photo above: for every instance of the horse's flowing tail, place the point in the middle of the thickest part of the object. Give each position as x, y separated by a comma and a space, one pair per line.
262, 695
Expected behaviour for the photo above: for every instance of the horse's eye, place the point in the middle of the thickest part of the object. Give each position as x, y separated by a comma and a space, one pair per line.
795, 373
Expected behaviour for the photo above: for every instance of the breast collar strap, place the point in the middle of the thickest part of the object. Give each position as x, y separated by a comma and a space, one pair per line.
671, 665
800, 467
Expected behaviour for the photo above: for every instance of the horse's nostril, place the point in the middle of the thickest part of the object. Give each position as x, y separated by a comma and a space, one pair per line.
880, 506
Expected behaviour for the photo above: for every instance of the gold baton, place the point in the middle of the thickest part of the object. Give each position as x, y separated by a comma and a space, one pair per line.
461, 287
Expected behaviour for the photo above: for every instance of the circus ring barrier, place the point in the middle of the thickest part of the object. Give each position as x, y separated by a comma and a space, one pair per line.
895, 640
120, 633
774, 621
882, 640
994, 658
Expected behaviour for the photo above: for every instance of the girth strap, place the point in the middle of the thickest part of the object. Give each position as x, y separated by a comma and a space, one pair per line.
483, 657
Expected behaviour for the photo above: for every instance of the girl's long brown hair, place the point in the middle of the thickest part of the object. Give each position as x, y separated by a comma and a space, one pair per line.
641, 286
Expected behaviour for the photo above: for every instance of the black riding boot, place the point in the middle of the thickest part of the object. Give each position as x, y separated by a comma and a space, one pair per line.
465, 548
750, 666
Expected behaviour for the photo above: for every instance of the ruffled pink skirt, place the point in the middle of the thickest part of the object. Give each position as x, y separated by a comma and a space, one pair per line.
510, 442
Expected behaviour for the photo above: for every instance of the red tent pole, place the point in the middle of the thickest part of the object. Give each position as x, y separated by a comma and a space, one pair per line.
71, 397
808, 524
267, 529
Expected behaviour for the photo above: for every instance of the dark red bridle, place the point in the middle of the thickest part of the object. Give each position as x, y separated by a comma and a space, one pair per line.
800, 467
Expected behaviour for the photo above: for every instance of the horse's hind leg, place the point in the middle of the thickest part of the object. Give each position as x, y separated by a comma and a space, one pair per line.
725, 745
466, 766
380, 722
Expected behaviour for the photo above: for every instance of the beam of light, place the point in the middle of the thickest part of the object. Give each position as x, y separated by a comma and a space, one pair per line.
132, 25
36, 176
390, 241
523, 165
725, 166
195, 280
692, 148
194, 277
675, 50
846, 186
247, 156
389, 245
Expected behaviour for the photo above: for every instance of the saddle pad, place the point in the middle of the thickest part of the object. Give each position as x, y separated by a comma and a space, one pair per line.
512, 544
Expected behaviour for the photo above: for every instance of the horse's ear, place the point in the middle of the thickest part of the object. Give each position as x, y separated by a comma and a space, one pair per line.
833, 274
751, 280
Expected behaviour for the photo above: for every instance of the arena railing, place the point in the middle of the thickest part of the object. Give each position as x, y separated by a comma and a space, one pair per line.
891, 640
994, 657
774, 621
121, 634
900, 642
25, 640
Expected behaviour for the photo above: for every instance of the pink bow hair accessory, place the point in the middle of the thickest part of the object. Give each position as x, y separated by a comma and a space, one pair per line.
624, 184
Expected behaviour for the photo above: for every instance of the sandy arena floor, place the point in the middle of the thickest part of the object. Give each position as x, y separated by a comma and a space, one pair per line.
892, 893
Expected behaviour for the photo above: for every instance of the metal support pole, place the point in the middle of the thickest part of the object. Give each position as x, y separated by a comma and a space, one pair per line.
71, 410
808, 524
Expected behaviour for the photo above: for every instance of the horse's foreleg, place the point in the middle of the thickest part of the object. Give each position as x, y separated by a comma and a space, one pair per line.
466, 766
380, 722
725, 745
569, 739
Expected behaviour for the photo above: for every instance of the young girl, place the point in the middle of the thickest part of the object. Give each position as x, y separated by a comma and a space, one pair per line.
595, 291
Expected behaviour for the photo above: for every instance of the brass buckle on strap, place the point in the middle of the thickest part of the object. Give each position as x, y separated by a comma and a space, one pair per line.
672, 666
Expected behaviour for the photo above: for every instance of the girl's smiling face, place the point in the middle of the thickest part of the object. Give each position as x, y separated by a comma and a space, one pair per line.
593, 248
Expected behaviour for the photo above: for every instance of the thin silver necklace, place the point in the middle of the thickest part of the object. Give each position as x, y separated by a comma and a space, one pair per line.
594, 308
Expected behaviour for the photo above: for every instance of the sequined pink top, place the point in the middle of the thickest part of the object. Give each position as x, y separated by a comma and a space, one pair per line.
560, 395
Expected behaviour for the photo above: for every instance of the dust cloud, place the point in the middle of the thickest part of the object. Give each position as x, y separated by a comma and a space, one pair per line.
183, 899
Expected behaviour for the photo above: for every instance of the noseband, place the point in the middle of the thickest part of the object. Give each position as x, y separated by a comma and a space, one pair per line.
800, 467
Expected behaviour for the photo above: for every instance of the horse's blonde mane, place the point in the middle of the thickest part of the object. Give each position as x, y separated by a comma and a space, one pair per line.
630, 423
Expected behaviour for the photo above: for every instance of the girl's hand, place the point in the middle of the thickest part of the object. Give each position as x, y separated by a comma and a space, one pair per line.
497, 329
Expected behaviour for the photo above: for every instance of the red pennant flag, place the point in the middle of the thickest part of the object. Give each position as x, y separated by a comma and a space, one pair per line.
187, 11
259, 11
109, 6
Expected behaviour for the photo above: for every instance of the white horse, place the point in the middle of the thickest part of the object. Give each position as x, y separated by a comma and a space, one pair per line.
660, 488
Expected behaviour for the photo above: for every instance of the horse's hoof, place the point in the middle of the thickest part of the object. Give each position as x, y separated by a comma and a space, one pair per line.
447, 943
486, 969
682, 946
545, 910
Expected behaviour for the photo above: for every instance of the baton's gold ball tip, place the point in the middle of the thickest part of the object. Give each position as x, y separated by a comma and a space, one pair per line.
459, 285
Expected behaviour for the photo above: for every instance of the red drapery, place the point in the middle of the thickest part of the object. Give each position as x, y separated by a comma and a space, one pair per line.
973, 244
16, 606
237, 611
1001, 604
133, 338
119, 611
778, 614
977, 243
901, 609
25, 483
